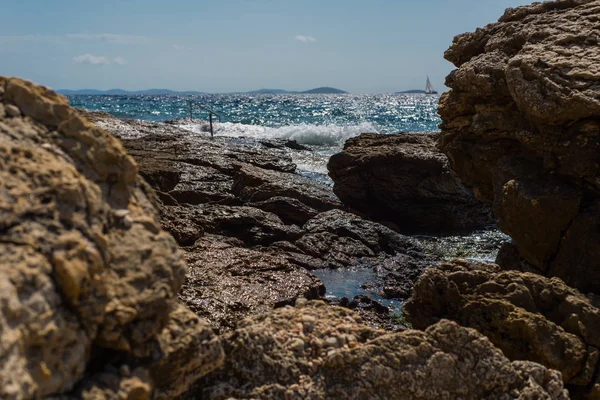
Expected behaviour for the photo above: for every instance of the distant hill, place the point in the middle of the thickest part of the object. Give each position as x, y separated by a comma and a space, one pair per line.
270, 91
324, 90
412, 92
115, 92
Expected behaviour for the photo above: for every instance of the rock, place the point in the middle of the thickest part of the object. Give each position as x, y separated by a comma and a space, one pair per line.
256, 184
187, 348
521, 125
399, 274
227, 282
251, 225
527, 316
290, 210
316, 351
86, 268
405, 179
342, 239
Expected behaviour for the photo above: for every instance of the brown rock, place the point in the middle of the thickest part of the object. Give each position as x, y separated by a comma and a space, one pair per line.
227, 282
315, 351
521, 125
256, 184
86, 268
527, 316
405, 179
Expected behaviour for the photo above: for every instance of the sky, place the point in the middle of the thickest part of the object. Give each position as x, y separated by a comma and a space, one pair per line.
374, 46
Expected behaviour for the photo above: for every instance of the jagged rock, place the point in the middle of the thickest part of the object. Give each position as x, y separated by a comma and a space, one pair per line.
290, 210
521, 125
257, 184
316, 351
227, 282
405, 179
187, 349
527, 316
340, 239
85, 265
251, 225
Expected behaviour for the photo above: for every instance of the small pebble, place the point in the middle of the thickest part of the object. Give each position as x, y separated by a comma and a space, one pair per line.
297, 345
331, 341
12, 110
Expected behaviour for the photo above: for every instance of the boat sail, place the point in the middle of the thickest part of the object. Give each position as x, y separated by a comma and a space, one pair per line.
429, 87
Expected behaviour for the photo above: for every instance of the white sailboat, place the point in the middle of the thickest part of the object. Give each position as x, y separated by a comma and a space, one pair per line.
429, 88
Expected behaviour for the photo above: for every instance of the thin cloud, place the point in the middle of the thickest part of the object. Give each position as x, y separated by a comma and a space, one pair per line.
305, 39
119, 60
91, 59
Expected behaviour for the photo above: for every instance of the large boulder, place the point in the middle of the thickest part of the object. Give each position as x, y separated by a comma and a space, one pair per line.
404, 179
528, 316
314, 351
522, 126
87, 275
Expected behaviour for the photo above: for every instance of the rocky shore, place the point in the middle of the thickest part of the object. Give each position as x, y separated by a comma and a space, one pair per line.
141, 261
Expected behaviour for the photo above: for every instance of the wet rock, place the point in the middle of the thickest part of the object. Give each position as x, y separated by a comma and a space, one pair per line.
317, 351
374, 313
226, 282
257, 184
521, 125
340, 239
86, 268
404, 179
527, 316
281, 143
399, 273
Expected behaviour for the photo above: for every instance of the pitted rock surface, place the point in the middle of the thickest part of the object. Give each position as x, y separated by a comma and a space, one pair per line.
527, 316
522, 126
85, 265
315, 351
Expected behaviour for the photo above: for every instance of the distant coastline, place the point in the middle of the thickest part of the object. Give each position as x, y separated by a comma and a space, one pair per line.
116, 92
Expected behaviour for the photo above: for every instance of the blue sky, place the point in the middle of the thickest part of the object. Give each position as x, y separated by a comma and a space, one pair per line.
374, 46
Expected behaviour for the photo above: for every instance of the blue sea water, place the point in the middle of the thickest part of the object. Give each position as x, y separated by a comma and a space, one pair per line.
310, 119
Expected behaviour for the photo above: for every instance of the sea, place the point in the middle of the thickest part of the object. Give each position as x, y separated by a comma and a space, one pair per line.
322, 122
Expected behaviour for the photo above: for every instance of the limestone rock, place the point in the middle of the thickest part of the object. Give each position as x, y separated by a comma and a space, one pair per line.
404, 179
315, 351
522, 126
527, 316
85, 266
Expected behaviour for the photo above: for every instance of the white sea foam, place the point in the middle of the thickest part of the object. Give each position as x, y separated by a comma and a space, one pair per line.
316, 135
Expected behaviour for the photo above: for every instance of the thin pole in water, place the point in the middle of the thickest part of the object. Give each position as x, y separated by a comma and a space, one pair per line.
211, 127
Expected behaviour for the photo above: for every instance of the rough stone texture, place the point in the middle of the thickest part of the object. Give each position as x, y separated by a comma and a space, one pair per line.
256, 184
340, 238
227, 282
85, 266
521, 125
314, 352
527, 316
187, 349
405, 179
